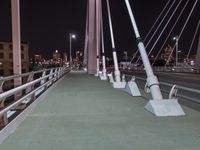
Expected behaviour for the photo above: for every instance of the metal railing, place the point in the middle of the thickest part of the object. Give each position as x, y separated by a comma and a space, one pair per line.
22, 95
164, 69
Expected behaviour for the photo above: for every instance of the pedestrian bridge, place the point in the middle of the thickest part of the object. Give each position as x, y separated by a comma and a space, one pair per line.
84, 113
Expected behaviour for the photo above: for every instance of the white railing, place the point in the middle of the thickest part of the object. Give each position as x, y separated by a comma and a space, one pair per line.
165, 69
26, 93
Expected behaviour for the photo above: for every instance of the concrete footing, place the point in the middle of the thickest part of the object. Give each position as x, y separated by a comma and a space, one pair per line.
119, 85
132, 88
103, 77
166, 107
110, 76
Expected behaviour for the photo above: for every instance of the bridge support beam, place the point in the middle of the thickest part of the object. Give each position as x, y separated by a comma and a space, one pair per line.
158, 106
92, 39
197, 62
16, 37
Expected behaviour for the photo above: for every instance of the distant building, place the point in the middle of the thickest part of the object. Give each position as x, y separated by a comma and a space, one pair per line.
6, 58
38, 58
168, 53
65, 57
56, 56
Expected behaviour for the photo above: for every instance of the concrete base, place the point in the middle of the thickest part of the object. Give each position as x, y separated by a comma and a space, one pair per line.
100, 73
167, 107
119, 85
103, 77
132, 88
110, 76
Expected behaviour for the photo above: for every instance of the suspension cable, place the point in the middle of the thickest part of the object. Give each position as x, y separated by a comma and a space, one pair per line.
110, 24
158, 26
158, 18
170, 31
164, 28
182, 29
102, 33
193, 41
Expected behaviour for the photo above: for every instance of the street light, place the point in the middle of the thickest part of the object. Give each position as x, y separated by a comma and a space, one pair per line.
176, 38
126, 57
71, 36
77, 55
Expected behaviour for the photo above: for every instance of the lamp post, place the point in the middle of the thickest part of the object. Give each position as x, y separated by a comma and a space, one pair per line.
176, 38
77, 55
71, 36
126, 57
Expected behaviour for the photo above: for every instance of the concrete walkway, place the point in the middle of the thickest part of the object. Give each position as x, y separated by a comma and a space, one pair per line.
84, 113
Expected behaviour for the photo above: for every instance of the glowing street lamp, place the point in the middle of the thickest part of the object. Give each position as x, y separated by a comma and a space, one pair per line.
126, 57
176, 38
71, 36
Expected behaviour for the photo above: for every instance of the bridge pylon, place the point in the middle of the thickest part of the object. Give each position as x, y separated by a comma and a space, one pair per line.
158, 106
92, 36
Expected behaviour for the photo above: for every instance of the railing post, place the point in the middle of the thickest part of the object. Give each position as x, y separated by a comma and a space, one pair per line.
50, 77
30, 88
3, 120
55, 74
43, 74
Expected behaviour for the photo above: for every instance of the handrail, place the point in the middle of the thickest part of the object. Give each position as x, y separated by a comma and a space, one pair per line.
45, 82
22, 87
22, 99
22, 75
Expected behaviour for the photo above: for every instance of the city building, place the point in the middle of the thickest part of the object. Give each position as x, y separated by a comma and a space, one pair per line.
168, 53
56, 57
6, 58
38, 58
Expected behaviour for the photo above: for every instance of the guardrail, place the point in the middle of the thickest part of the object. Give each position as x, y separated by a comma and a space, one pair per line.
186, 93
23, 95
162, 69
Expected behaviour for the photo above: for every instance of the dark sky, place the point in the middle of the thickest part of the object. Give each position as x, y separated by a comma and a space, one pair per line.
46, 24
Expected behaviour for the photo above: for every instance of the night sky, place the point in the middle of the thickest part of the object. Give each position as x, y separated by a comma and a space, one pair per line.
46, 24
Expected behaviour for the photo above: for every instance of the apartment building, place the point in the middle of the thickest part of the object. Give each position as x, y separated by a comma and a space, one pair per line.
6, 58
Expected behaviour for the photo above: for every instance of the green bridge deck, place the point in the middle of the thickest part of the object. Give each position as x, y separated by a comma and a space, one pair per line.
84, 113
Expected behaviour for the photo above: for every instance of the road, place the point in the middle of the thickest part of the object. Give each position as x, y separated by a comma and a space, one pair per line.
182, 79
185, 80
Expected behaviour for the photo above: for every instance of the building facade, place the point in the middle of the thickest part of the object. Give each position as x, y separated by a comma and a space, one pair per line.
6, 58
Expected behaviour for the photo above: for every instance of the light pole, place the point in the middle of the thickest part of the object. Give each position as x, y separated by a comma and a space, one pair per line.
176, 38
126, 57
71, 36
77, 55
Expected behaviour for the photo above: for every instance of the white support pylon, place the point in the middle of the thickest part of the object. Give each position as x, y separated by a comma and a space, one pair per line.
117, 83
103, 76
158, 106
98, 4
16, 39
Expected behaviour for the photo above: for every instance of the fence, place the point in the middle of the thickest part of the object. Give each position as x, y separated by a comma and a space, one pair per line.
16, 99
